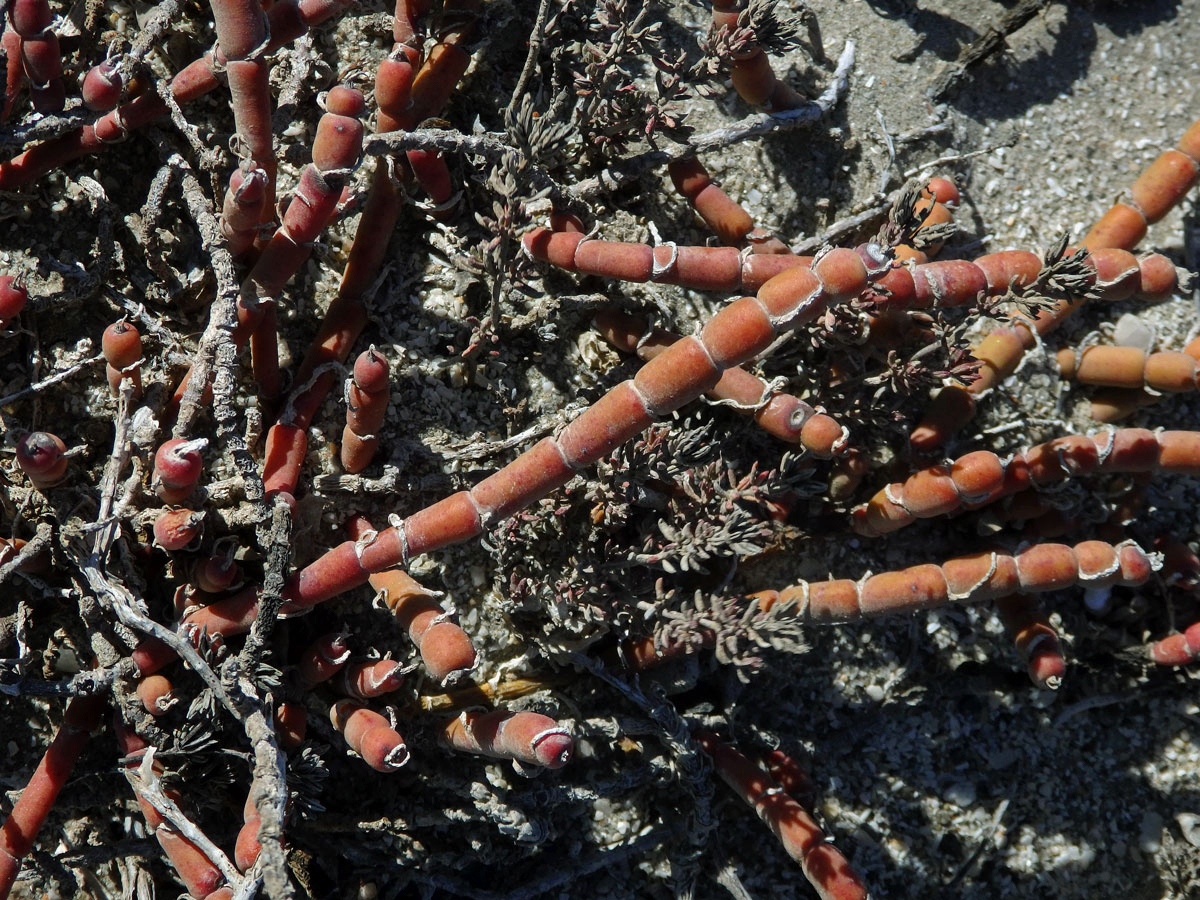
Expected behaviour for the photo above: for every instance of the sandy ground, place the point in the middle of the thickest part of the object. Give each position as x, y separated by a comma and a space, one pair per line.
965, 784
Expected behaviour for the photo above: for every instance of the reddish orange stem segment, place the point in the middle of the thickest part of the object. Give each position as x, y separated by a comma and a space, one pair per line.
827, 870
1159, 188
751, 72
1035, 639
444, 647
980, 478
1178, 649
782, 415
287, 20
122, 348
366, 407
198, 873
684, 371
370, 736
967, 579
523, 736
28, 814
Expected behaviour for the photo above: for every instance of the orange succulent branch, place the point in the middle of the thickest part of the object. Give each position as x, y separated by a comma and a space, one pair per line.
244, 208
523, 737
322, 659
1035, 639
13, 294
702, 268
122, 347
750, 67
1111, 275
156, 693
336, 151
966, 579
14, 74
202, 868
287, 20
242, 38
827, 870
780, 414
1140, 376
723, 215
39, 53
42, 456
366, 406
368, 680
684, 371
1177, 649
21, 827
446, 650
1164, 183
636, 554
975, 578
399, 109
981, 477
370, 736
1131, 368
1160, 187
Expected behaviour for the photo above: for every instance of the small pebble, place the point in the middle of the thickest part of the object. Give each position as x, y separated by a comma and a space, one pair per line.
961, 794
1098, 600
1150, 833
1131, 331
1189, 826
